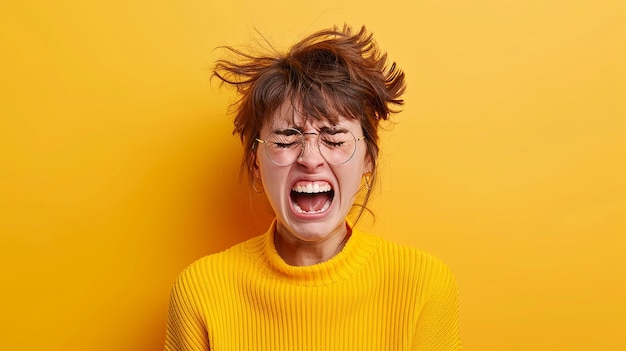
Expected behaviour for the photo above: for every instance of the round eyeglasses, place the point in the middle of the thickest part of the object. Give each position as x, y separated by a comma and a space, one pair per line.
284, 147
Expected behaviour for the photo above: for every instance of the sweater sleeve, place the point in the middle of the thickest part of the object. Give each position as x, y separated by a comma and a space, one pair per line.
438, 326
186, 329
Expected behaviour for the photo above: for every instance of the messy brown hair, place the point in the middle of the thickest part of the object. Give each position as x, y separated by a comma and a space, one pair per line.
331, 73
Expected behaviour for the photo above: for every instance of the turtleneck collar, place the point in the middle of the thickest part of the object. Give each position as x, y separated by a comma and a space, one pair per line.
356, 252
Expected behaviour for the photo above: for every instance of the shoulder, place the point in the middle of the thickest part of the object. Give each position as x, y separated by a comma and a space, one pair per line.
223, 263
413, 262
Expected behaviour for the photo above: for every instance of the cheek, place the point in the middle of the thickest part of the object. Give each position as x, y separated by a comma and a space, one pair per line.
273, 178
350, 181
354, 173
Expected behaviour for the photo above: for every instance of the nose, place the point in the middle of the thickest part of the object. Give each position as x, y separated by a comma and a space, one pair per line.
310, 157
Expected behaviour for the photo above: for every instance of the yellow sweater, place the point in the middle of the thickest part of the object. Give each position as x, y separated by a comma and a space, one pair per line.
373, 295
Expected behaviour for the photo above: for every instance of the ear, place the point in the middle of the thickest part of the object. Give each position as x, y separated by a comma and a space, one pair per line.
368, 167
256, 170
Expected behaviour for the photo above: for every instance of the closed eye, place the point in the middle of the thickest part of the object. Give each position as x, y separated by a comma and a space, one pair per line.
285, 145
332, 144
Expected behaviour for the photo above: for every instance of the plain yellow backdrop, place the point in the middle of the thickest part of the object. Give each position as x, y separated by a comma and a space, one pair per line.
117, 166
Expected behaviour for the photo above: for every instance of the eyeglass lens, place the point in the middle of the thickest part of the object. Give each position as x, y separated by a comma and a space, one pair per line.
284, 147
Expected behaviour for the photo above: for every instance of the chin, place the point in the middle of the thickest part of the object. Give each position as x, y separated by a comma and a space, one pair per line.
312, 230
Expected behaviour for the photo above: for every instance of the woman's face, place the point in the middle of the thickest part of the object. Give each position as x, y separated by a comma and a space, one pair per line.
311, 198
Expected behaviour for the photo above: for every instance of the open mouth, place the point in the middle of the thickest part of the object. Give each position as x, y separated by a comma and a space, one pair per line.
311, 197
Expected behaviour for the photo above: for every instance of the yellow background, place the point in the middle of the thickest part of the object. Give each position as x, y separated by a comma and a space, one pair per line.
117, 166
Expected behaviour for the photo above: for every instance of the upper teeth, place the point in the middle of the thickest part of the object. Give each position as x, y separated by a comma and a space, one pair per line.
312, 188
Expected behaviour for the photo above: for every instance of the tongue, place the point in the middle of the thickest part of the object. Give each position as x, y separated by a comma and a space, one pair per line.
311, 202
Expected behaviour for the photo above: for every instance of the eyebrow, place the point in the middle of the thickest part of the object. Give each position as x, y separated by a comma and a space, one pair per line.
286, 131
332, 130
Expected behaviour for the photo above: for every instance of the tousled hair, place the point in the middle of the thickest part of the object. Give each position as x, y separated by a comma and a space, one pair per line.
331, 73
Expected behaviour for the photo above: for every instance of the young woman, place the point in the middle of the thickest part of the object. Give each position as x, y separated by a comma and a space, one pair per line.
308, 120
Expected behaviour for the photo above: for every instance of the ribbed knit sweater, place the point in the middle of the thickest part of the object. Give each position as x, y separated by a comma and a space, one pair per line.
373, 295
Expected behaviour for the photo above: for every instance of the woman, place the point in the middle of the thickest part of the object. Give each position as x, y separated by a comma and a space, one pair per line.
308, 120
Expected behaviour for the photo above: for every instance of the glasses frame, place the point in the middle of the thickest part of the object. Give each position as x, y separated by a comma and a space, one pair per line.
303, 146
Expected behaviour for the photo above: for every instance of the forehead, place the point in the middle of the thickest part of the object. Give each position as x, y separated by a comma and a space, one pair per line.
289, 116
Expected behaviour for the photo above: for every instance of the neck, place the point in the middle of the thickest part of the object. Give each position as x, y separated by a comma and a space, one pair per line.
298, 252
